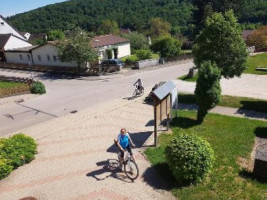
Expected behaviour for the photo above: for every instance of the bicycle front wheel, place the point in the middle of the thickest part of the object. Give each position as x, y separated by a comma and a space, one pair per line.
131, 170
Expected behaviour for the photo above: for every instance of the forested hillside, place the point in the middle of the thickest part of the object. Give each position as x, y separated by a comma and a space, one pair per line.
88, 14
134, 14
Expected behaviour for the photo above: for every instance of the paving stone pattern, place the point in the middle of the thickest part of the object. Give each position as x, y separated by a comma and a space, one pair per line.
77, 158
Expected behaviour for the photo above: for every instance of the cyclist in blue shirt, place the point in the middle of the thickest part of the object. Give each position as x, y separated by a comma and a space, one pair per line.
123, 142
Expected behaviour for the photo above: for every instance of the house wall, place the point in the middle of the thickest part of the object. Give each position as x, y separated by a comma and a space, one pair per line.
51, 51
18, 57
5, 28
123, 50
15, 42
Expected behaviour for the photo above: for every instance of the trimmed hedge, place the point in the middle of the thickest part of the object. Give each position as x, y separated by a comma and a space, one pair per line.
18, 150
38, 88
190, 158
5, 167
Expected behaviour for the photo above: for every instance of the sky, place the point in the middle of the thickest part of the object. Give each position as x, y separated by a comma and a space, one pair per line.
12, 7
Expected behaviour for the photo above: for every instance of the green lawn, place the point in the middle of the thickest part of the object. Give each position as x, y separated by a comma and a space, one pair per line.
232, 140
4, 84
230, 101
256, 61
185, 78
253, 62
12, 88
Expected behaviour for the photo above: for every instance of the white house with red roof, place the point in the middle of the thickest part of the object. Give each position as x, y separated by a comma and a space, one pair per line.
47, 55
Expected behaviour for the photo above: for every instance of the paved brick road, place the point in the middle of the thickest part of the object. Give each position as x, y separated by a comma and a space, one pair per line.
75, 152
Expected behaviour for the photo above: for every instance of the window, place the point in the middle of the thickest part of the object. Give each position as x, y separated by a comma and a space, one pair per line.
29, 57
39, 58
48, 58
55, 58
20, 56
2, 23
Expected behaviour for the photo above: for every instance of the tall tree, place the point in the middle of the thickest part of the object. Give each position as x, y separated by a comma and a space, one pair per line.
204, 9
109, 27
158, 27
77, 49
221, 43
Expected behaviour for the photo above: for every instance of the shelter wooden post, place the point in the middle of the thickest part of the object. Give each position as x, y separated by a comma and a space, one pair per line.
156, 116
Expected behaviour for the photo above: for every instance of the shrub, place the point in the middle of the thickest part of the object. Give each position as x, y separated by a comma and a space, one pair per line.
258, 39
129, 60
167, 47
190, 158
19, 149
208, 90
155, 56
5, 167
143, 54
38, 88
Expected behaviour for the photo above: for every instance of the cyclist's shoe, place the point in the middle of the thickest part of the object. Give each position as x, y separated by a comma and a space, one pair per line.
120, 167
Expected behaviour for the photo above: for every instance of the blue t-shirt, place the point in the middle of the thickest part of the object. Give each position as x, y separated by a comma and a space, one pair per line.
123, 140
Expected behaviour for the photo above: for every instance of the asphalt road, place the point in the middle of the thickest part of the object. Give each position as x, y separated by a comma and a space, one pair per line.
65, 96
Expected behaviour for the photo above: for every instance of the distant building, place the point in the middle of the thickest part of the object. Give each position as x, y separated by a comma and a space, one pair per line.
5, 28
104, 42
10, 41
46, 54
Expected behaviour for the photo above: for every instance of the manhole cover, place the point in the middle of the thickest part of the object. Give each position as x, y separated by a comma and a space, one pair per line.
74, 111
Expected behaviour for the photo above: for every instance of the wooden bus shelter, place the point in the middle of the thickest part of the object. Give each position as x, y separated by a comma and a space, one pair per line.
163, 101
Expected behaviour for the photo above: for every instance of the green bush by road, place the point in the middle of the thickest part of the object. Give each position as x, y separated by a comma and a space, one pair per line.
15, 151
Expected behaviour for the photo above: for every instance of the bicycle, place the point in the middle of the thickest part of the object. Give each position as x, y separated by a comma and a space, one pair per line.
130, 167
139, 91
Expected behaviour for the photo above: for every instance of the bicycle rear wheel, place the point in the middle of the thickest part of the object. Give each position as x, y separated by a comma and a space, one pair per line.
131, 170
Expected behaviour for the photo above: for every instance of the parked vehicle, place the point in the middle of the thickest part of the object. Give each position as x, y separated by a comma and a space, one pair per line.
112, 63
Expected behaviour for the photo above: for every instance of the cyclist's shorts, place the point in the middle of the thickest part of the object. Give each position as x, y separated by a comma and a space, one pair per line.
128, 149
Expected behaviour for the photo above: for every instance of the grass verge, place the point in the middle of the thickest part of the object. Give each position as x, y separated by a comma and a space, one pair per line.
185, 78
232, 140
256, 61
258, 105
12, 88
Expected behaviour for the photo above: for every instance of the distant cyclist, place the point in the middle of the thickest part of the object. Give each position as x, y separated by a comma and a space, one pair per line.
139, 85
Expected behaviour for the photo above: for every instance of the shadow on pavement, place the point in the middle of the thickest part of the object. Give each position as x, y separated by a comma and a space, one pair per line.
130, 98
259, 106
152, 178
53, 76
109, 168
138, 139
252, 114
261, 132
